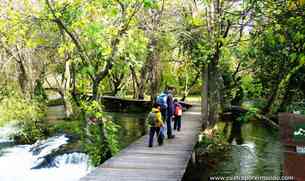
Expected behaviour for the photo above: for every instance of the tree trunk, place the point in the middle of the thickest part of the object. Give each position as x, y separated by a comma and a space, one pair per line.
135, 82
282, 88
188, 87
22, 77
67, 90
204, 97
104, 143
116, 80
154, 64
143, 81
212, 94
271, 97
151, 68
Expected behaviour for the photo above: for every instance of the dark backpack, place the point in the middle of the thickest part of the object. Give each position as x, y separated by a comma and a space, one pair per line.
152, 119
162, 100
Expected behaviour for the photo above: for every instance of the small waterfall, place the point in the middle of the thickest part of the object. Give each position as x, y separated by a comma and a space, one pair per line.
41, 150
6, 131
17, 162
72, 158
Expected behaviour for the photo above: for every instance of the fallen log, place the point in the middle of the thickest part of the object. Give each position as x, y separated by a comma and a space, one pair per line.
234, 112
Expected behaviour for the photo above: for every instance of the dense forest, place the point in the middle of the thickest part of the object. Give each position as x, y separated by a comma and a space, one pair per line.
245, 53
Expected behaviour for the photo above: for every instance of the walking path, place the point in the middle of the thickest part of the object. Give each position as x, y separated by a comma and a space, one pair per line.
138, 162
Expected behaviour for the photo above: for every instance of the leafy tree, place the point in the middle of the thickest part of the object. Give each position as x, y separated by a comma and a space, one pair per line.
279, 50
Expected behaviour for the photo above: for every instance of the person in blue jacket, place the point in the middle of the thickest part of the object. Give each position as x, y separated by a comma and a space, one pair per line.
165, 100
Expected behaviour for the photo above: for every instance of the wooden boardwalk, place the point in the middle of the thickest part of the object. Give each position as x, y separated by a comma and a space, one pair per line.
138, 162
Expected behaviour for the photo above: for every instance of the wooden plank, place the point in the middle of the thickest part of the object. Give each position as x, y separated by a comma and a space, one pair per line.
126, 178
136, 173
138, 162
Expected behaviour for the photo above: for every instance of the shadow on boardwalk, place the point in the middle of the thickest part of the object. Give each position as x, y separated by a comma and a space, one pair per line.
138, 162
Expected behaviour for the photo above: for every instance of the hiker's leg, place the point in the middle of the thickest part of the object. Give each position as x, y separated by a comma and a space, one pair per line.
159, 137
178, 123
151, 136
175, 122
169, 126
165, 118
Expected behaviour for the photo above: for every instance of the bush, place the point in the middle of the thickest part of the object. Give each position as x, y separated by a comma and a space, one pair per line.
212, 147
212, 142
100, 138
26, 113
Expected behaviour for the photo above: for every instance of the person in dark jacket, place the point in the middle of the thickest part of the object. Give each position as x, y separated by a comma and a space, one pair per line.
165, 100
170, 112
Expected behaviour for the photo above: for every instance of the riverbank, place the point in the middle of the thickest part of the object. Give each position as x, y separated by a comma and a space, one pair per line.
65, 158
253, 151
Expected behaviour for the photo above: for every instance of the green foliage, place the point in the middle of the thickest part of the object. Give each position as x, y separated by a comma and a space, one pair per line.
133, 48
148, 3
55, 102
213, 144
252, 88
27, 114
92, 145
74, 41
30, 132
250, 114
72, 127
7, 91
112, 135
296, 107
39, 92
212, 148
278, 53
101, 136
20, 110
92, 108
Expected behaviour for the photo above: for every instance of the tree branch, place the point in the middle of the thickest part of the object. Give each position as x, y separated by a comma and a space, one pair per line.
73, 37
114, 47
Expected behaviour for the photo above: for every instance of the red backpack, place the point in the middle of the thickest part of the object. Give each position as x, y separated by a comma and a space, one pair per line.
178, 110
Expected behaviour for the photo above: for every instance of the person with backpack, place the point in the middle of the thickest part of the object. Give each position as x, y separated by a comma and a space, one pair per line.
165, 100
177, 115
155, 124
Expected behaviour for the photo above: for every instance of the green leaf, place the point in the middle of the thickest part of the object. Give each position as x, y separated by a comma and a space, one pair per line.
87, 70
148, 3
293, 57
302, 59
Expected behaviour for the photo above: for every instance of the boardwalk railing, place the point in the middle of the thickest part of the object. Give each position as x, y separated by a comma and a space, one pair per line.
138, 162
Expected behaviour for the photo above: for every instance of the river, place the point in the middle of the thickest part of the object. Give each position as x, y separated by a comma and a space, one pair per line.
256, 151
17, 162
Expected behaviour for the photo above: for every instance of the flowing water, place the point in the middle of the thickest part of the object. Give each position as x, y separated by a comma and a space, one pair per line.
256, 151
21, 162
17, 161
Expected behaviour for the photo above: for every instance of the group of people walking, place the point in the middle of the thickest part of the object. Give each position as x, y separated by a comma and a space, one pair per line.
165, 110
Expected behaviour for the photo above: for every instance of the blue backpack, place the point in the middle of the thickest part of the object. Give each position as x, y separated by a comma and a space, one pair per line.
162, 100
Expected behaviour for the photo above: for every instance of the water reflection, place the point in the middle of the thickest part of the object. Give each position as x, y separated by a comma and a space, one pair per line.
256, 151
235, 134
132, 127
